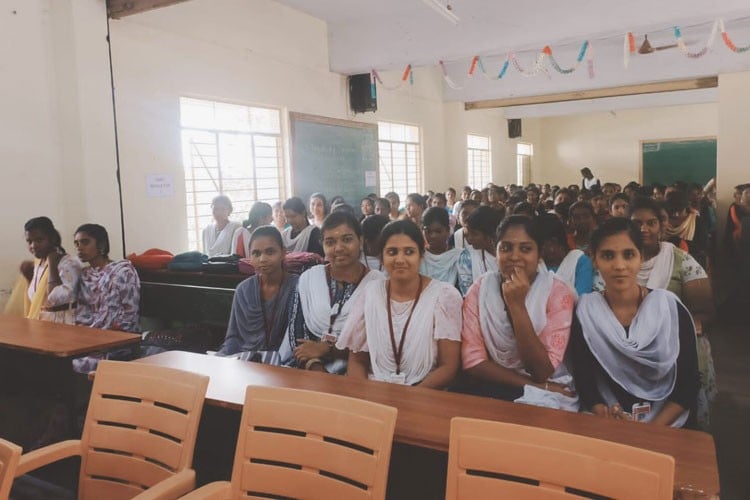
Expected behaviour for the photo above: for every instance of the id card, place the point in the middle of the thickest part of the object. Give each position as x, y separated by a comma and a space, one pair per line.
397, 378
641, 411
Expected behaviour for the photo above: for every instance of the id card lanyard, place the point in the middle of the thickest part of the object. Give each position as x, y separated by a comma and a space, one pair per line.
336, 307
398, 351
276, 300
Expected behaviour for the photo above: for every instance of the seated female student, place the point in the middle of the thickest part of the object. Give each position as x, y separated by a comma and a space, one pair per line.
407, 329
572, 266
666, 266
51, 280
382, 207
366, 208
300, 236
260, 308
439, 260
323, 298
109, 292
459, 236
632, 348
416, 204
371, 228
318, 208
217, 236
479, 256
619, 205
517, 324
261, 214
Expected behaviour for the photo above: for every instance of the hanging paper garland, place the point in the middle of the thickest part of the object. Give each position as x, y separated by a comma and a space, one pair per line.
407, 75
695, 55
473, 65
728, 41
538, 64
566, 71
448, 79
629, 48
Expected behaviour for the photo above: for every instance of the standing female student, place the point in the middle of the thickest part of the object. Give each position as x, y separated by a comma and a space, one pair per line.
407, 329
632, 349
324, 295
439, 260
260, 307
517, 324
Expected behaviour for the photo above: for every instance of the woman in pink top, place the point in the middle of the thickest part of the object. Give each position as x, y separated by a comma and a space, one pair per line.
516, 325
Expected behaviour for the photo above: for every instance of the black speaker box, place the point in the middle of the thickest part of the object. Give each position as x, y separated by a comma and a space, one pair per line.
362, 97
514, 128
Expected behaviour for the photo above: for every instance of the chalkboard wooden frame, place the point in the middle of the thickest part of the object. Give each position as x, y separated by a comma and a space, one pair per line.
294, 170
642, 142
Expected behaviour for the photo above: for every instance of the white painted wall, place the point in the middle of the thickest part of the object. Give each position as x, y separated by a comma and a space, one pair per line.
56, 137
609, 142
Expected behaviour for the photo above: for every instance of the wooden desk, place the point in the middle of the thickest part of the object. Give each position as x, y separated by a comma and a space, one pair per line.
57, 340
193, 278
424, 414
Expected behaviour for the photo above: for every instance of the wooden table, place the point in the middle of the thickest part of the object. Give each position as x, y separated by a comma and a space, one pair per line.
424, 414
36, 371
56, 340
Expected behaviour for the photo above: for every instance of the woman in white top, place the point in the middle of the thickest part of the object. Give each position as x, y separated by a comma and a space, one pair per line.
478, 257
300, 236
261, 214
324, 296
407, 329
439, 261
217, 236
318, 209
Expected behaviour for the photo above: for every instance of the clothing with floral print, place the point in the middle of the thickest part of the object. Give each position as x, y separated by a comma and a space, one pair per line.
108, 297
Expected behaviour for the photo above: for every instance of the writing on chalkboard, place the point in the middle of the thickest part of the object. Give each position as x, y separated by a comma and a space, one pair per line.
334, 157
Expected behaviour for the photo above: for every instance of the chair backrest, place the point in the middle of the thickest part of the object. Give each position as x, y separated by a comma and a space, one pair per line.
140, 428
302, 444
10, 453
495, 459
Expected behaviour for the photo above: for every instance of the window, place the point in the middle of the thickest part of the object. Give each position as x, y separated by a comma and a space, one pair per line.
524, 152
229, 149
400, 160
478, 160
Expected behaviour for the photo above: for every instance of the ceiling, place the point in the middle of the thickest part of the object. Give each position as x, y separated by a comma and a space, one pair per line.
389, 34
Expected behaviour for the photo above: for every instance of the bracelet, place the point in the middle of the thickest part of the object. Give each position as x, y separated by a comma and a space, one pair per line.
311, 362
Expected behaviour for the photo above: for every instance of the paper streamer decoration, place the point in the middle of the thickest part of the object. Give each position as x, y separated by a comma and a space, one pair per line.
447, 78
728, 41
629, 48
700, 53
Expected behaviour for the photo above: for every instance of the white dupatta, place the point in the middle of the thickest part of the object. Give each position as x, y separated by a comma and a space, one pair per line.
442, 267
643, 361
219, 244
315, 300
657, 271
481, 262
500, 340
300, 242
567, 270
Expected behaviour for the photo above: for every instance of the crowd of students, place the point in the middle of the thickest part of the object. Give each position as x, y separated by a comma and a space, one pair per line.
590, 298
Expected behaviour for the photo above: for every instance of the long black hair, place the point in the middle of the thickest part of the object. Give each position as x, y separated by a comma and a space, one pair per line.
100, 236
44, 224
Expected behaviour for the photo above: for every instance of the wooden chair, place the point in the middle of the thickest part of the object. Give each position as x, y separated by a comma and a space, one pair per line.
488, 460
9, 455
302, 444
139, 434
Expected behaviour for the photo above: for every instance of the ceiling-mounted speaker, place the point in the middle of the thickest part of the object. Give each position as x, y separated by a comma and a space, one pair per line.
514, 128
362, 93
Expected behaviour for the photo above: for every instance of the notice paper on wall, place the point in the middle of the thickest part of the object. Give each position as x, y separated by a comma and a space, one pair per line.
370, 178
159, 185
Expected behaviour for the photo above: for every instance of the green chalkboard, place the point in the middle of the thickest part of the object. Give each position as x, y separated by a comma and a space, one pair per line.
690, 160
334, 157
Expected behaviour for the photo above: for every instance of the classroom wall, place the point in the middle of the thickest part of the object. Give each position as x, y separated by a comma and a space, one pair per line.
609, 143
56, 136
